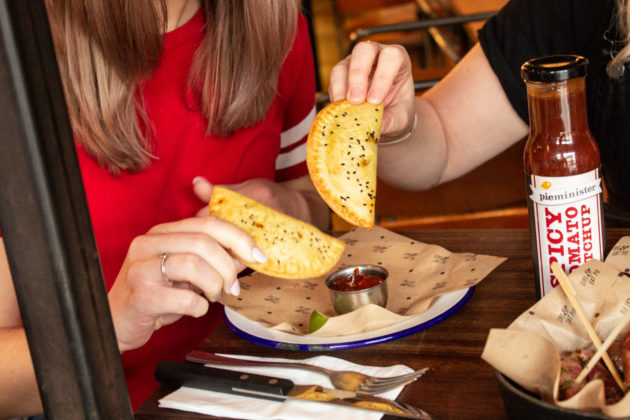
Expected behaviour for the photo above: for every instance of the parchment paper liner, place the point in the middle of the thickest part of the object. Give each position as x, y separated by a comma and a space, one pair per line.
528, 351
418, 273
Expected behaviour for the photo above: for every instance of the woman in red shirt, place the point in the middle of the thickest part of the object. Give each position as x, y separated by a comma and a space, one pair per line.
167, 98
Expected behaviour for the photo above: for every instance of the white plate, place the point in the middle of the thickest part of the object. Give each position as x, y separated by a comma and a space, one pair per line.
442, 308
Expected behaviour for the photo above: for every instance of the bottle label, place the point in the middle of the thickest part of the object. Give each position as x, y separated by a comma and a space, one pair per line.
566, 222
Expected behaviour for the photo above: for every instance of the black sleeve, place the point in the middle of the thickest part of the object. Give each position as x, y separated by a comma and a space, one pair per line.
526, 29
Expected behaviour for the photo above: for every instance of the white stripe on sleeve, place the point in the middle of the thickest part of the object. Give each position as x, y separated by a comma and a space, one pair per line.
292, 157
298, 131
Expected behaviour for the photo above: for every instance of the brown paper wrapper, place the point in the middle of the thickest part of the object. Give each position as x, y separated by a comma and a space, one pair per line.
418, 273
537, 337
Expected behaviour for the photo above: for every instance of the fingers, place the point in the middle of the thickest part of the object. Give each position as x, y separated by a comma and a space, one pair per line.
362, 61
393, 65
370, 73
226, 234
202, 188
207, 239
202, 262
185, 302
338, 85
192, 272
176, 269
349, 79
157, 299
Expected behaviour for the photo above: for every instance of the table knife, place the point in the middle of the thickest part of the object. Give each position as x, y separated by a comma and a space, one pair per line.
277, 389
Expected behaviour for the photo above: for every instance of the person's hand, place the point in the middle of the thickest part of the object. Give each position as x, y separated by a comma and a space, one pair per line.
271, 194
377, 73
176, 269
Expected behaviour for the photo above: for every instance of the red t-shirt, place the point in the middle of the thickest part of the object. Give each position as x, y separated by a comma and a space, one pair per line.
126, 206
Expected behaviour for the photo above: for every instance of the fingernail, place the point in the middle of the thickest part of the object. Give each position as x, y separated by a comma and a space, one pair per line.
235, 290
258, 255
197, 179
373, 99
354, 94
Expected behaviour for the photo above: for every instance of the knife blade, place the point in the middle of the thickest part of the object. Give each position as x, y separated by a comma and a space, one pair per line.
194, 375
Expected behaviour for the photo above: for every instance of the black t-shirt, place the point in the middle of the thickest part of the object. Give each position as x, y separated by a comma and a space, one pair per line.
525, 29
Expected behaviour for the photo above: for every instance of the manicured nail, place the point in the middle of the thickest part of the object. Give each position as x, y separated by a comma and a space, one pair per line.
258, 255
235, 289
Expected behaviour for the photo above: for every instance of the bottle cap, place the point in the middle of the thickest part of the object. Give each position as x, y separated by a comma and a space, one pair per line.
554, 68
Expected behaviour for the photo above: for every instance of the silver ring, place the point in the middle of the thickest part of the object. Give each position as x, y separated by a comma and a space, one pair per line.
164, 256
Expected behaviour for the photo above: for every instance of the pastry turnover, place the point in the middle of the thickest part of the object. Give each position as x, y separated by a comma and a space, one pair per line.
294, 249
341, 158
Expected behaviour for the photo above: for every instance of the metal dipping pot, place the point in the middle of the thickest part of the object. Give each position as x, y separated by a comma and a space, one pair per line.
348, 301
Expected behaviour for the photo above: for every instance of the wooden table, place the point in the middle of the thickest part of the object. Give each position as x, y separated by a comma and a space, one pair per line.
460, 385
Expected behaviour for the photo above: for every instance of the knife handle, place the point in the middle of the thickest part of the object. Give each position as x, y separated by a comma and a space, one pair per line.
220, 380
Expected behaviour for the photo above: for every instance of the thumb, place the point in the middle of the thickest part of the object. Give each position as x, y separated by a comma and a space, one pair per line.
202, 188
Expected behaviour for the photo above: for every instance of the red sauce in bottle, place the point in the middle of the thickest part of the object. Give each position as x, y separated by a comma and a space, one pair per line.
355, 281
561, 161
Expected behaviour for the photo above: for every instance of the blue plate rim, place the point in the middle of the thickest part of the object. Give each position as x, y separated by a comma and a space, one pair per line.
351, 344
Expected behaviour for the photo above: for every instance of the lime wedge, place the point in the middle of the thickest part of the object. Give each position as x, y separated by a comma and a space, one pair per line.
316, 321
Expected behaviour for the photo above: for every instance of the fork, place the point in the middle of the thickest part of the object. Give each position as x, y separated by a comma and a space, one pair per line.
341, 379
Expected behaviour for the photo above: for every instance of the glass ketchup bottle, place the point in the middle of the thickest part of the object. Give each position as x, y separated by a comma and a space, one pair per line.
562, 168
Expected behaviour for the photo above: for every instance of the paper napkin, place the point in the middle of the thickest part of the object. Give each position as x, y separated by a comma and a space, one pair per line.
235, 406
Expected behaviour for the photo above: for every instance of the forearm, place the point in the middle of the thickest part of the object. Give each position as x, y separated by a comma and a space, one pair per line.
19, 395
418, 162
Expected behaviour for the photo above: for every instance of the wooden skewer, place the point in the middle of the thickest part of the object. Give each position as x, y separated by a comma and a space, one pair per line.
611, 337
568, 289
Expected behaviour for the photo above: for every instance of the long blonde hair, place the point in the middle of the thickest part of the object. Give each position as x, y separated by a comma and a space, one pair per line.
106, 49
617, 65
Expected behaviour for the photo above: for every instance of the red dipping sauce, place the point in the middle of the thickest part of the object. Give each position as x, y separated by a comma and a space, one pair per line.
355, 281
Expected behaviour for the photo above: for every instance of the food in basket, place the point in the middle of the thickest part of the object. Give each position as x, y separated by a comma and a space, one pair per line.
571, 365
341, 157
294, 249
